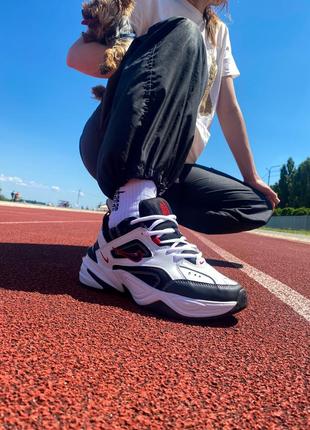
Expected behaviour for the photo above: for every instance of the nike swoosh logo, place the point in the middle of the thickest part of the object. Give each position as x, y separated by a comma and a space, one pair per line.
134, 256
106, 259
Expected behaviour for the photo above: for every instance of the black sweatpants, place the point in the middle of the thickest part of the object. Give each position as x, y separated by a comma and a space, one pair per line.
145, 127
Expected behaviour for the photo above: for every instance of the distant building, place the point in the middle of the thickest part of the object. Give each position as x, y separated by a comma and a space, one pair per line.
102, 208
63, 204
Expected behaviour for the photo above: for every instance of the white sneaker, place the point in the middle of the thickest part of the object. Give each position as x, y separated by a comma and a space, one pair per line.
150, 258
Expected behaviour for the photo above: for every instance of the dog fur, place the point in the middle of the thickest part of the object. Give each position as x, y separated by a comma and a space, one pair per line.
105, 20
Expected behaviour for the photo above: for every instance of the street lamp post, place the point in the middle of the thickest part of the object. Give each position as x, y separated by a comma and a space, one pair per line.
269, 171
78, 198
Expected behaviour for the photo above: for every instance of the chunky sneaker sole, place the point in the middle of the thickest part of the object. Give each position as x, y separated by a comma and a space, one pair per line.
150, 258
94, 276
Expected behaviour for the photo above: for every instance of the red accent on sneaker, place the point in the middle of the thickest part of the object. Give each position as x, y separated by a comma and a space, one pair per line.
156, 240
134, 256
164, 208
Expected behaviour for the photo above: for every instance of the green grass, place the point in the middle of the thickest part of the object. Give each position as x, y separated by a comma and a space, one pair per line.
287, 230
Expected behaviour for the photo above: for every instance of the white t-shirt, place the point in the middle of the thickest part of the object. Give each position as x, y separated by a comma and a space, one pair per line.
220, 59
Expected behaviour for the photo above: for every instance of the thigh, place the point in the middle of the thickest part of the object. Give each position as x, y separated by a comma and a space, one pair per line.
208, 188
213, 202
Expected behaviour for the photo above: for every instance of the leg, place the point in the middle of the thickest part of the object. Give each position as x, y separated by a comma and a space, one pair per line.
212, 202
148, 123
150, 107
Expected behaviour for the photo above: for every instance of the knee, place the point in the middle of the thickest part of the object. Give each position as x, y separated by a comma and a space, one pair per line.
259, 212
186, 30
267, 211
189, 31
186, 25
264, 206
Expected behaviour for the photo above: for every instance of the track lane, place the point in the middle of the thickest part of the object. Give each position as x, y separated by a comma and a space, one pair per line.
21, 214
74, 358
284, 260
299, 303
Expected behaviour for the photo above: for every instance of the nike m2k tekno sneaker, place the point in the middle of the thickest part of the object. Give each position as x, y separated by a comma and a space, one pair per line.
150, 258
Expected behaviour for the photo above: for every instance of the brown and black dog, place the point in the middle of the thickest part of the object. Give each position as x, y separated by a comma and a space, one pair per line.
108, 24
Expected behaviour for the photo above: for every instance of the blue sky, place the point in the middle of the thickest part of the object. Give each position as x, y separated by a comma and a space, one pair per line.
45, 104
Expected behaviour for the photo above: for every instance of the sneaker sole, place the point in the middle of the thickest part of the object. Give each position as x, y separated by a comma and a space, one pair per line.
162, 309
167, 304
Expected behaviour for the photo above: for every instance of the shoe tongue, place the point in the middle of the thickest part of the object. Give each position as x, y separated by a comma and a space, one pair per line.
160, 206
154, 206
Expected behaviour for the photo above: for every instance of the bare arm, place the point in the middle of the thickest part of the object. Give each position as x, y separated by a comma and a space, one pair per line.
234, 129
86, 57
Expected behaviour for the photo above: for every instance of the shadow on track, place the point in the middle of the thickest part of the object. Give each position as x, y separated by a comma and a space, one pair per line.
53, 270
223, 263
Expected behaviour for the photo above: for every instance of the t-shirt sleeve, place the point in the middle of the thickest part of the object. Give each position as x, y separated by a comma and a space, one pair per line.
229, 65
138, 18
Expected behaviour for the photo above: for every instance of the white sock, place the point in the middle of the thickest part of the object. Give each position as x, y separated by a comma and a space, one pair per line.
127, 198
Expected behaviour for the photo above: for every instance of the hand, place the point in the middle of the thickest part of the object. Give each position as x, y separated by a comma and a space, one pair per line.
258, 184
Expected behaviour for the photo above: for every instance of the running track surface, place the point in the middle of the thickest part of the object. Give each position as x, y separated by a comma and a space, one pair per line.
80, 359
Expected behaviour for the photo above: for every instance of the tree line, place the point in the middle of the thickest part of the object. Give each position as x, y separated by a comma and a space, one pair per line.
293, 187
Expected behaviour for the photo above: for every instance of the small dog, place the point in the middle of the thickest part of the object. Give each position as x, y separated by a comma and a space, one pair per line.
108, 24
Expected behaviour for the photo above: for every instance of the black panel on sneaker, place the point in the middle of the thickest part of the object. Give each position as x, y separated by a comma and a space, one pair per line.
105, 228
153, 276
122, 228
98, 280
203, 291
160, 280
91, 252
154, 206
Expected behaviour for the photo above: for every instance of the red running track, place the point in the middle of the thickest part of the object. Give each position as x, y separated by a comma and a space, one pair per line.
78, 359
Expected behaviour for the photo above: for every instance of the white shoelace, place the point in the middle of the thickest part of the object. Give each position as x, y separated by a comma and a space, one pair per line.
178, 245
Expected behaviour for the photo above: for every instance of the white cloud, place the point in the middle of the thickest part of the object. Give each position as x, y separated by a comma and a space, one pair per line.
35, 184
19, 181
14, 179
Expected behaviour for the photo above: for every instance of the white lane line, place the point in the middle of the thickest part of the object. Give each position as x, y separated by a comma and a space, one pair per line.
45, 222
290, 297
